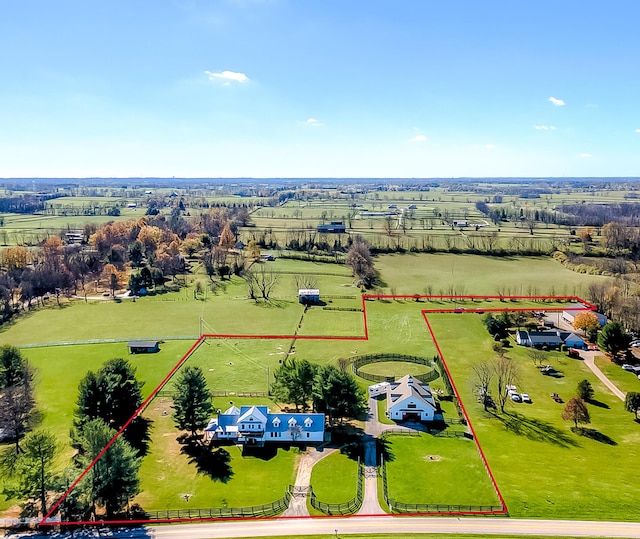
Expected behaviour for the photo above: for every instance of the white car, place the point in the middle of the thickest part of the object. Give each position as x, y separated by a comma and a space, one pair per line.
515, 397
525, 397
627, 367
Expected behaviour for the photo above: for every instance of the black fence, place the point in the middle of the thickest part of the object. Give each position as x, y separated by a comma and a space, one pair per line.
360, 361
347, 508
396, 506
266, 510
170, 393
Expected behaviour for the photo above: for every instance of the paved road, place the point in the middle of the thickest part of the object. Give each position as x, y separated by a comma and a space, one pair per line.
398, 526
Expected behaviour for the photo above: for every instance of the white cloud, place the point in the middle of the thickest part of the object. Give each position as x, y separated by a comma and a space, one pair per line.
227, 76
313, 122
557, 102
418, 138
545, 127
637, 131
490, 146
585, 155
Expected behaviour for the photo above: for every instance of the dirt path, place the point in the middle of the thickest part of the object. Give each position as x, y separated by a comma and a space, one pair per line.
298, 504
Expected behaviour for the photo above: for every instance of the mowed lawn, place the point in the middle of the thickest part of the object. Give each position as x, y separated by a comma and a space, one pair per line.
429, 469
542, 468
168, 477
334, 478
475, 274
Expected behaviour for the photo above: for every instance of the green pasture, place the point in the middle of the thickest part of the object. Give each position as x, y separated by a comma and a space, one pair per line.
436, 470
624, 380
543, 468
474, 274
334, 478
167, 475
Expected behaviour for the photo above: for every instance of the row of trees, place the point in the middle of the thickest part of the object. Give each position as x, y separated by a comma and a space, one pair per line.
325, 389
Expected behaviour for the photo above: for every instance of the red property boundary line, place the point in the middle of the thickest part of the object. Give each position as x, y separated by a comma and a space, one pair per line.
415, 297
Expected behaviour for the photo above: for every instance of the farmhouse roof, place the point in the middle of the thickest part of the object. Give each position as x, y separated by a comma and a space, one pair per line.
307, 422
253, 413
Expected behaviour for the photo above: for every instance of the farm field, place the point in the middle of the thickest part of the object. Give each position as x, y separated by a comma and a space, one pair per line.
542, 468
530, 441
167, 474
429, 469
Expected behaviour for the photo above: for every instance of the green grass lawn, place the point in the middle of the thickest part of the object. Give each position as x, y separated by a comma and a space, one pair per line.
437, 470
381, 403
473, 274
542, 468
625, 380
167, 475
334, 478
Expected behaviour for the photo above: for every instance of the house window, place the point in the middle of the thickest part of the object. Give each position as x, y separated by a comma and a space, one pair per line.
412, 406
307, 434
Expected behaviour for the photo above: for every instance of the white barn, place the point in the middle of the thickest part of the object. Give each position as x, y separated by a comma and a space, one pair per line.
409, 399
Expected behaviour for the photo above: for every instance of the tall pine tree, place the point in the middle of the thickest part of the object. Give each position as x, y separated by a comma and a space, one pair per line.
192, 402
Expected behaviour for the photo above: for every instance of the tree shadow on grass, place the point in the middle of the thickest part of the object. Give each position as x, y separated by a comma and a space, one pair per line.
594, 434
536, 429
211, 462
599, 404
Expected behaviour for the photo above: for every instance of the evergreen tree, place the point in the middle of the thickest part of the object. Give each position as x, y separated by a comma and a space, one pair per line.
337, 394
192, 403
585, 390
113, 394
613, 339
34, 469
14, 369
294, 382
113, 480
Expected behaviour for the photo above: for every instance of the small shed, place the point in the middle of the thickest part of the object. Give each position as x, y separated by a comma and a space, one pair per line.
143, 347
309, 296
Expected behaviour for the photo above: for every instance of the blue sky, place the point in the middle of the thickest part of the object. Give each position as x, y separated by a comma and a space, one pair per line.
319, 88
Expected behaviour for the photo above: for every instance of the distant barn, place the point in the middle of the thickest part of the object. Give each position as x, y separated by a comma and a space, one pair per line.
143, 347
334, 227
309, 296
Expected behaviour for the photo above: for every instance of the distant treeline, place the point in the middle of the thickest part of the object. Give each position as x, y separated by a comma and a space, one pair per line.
627, 213
24, 203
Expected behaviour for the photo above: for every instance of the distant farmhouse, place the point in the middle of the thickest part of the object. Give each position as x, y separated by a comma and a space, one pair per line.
550, 339
255, 426
569, 314
143, 347
408, 399
334, 227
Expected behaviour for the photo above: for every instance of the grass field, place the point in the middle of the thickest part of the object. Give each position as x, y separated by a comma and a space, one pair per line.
541, 466
167, 475
473, 274
543, 469
334, 478
433, 470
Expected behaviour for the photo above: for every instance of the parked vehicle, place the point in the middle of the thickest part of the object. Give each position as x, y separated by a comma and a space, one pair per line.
515, 397
525, 398
627, 367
